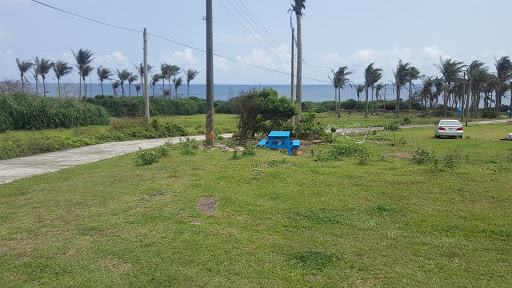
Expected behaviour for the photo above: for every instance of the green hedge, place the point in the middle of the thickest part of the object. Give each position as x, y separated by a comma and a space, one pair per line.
22, 111
135, 106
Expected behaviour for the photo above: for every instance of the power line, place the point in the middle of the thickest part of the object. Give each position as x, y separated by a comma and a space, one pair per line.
86, 18
170, 40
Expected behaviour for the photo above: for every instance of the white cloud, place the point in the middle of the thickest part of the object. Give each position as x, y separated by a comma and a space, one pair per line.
185, 59
434, 53
382, 56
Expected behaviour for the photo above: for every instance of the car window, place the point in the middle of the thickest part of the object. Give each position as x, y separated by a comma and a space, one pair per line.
450, 122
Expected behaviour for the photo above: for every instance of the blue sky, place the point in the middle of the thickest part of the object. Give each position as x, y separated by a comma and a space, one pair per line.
335, 32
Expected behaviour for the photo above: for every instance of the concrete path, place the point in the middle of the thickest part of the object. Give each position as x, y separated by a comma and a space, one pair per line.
23, 167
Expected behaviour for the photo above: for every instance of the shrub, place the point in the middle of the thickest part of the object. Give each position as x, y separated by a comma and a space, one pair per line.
344, 150
21, 111
309, 127
392, 127
489, 114
422, 156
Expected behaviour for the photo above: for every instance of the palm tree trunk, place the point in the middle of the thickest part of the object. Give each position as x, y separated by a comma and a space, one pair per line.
445, 100
188, 90
299, 68
58, 85
101, 88
130, 89
170, 88
373, 103
44, 87
22, 83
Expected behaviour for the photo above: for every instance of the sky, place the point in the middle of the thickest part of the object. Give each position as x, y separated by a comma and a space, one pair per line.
335, 33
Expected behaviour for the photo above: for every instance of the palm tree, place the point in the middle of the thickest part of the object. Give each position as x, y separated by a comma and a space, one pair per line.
297, 7
138, 87
103, 74
504, 73
61, 68
401, 75
478, 75
414, 74
43, 67
85, 73
154, 81
359, 90
340, 80
23, 66
115, 85
83, 58
190, 75
132, 78
371, 76
177, 83
36, 73
378, 88
164, 71
140, 71
451, 70
123, 76
172, 72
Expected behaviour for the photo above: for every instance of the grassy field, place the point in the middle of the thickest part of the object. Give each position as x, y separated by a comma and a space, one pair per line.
281, 221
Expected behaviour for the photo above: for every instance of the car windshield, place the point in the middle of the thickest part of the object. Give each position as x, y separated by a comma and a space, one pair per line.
449, 123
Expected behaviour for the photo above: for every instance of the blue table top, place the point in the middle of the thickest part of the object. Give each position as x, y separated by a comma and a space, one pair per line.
279, 134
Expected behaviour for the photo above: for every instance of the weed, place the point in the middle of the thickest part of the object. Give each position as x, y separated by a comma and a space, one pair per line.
422, 156
345, 150
406, 121
235, 156
148, 157
392, 127
250, 150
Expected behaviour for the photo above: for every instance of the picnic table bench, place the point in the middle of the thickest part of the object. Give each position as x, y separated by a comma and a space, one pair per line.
280, 140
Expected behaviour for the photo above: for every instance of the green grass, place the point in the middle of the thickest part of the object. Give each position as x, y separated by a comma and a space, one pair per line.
294, 223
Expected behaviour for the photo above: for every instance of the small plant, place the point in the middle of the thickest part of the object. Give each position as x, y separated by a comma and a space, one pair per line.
434, 168
148, 157
406, 121
422, 156
392, 127
398, 141
250, 150
235, 156
333, 129
345, 150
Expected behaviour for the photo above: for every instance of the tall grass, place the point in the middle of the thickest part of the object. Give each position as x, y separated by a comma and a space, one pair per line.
28, 112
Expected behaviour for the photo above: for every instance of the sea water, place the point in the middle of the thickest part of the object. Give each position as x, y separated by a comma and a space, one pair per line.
313, 93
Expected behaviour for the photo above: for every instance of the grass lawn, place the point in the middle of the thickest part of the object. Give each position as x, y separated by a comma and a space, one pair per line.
281, 221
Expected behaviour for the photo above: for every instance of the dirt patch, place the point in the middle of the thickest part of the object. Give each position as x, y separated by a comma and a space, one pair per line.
398, 155
207, 205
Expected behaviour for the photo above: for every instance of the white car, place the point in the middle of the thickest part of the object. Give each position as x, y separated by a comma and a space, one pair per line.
449, 128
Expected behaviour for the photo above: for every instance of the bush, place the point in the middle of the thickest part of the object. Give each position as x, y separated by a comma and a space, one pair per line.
21, 111
422, 156
309, 128
344, 150
489, 114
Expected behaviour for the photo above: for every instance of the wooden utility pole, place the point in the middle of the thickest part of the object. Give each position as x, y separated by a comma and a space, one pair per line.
210, 134
146, 87
463, 97
293, 66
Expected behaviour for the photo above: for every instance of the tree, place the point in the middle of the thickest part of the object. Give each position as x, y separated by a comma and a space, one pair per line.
83, 58
371, 76
123, 76
115, 85
172, 72
154, 81
451, 70
36, 73
132, 78
504, 74
339, 80
23, 66
138, 87
85, 73
401, 75
61, 69
378, 88
359, 90
103, 74
43, 67
140, 71
190, 75
297, 7
414, 74
479, 77
177, 83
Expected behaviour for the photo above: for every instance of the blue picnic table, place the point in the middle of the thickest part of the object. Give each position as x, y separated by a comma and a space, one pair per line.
280, 140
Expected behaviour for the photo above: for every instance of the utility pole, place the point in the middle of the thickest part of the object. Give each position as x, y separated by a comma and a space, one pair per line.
463, 97
146, 87
210, 134
468, 101
293, 66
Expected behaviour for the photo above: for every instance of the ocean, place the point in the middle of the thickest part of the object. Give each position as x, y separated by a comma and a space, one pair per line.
313, 93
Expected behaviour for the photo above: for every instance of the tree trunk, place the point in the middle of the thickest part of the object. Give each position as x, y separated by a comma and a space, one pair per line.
102, 88
58, 85
445, 100
339, 102
373, 103
299, 68
188, 90
44, 87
